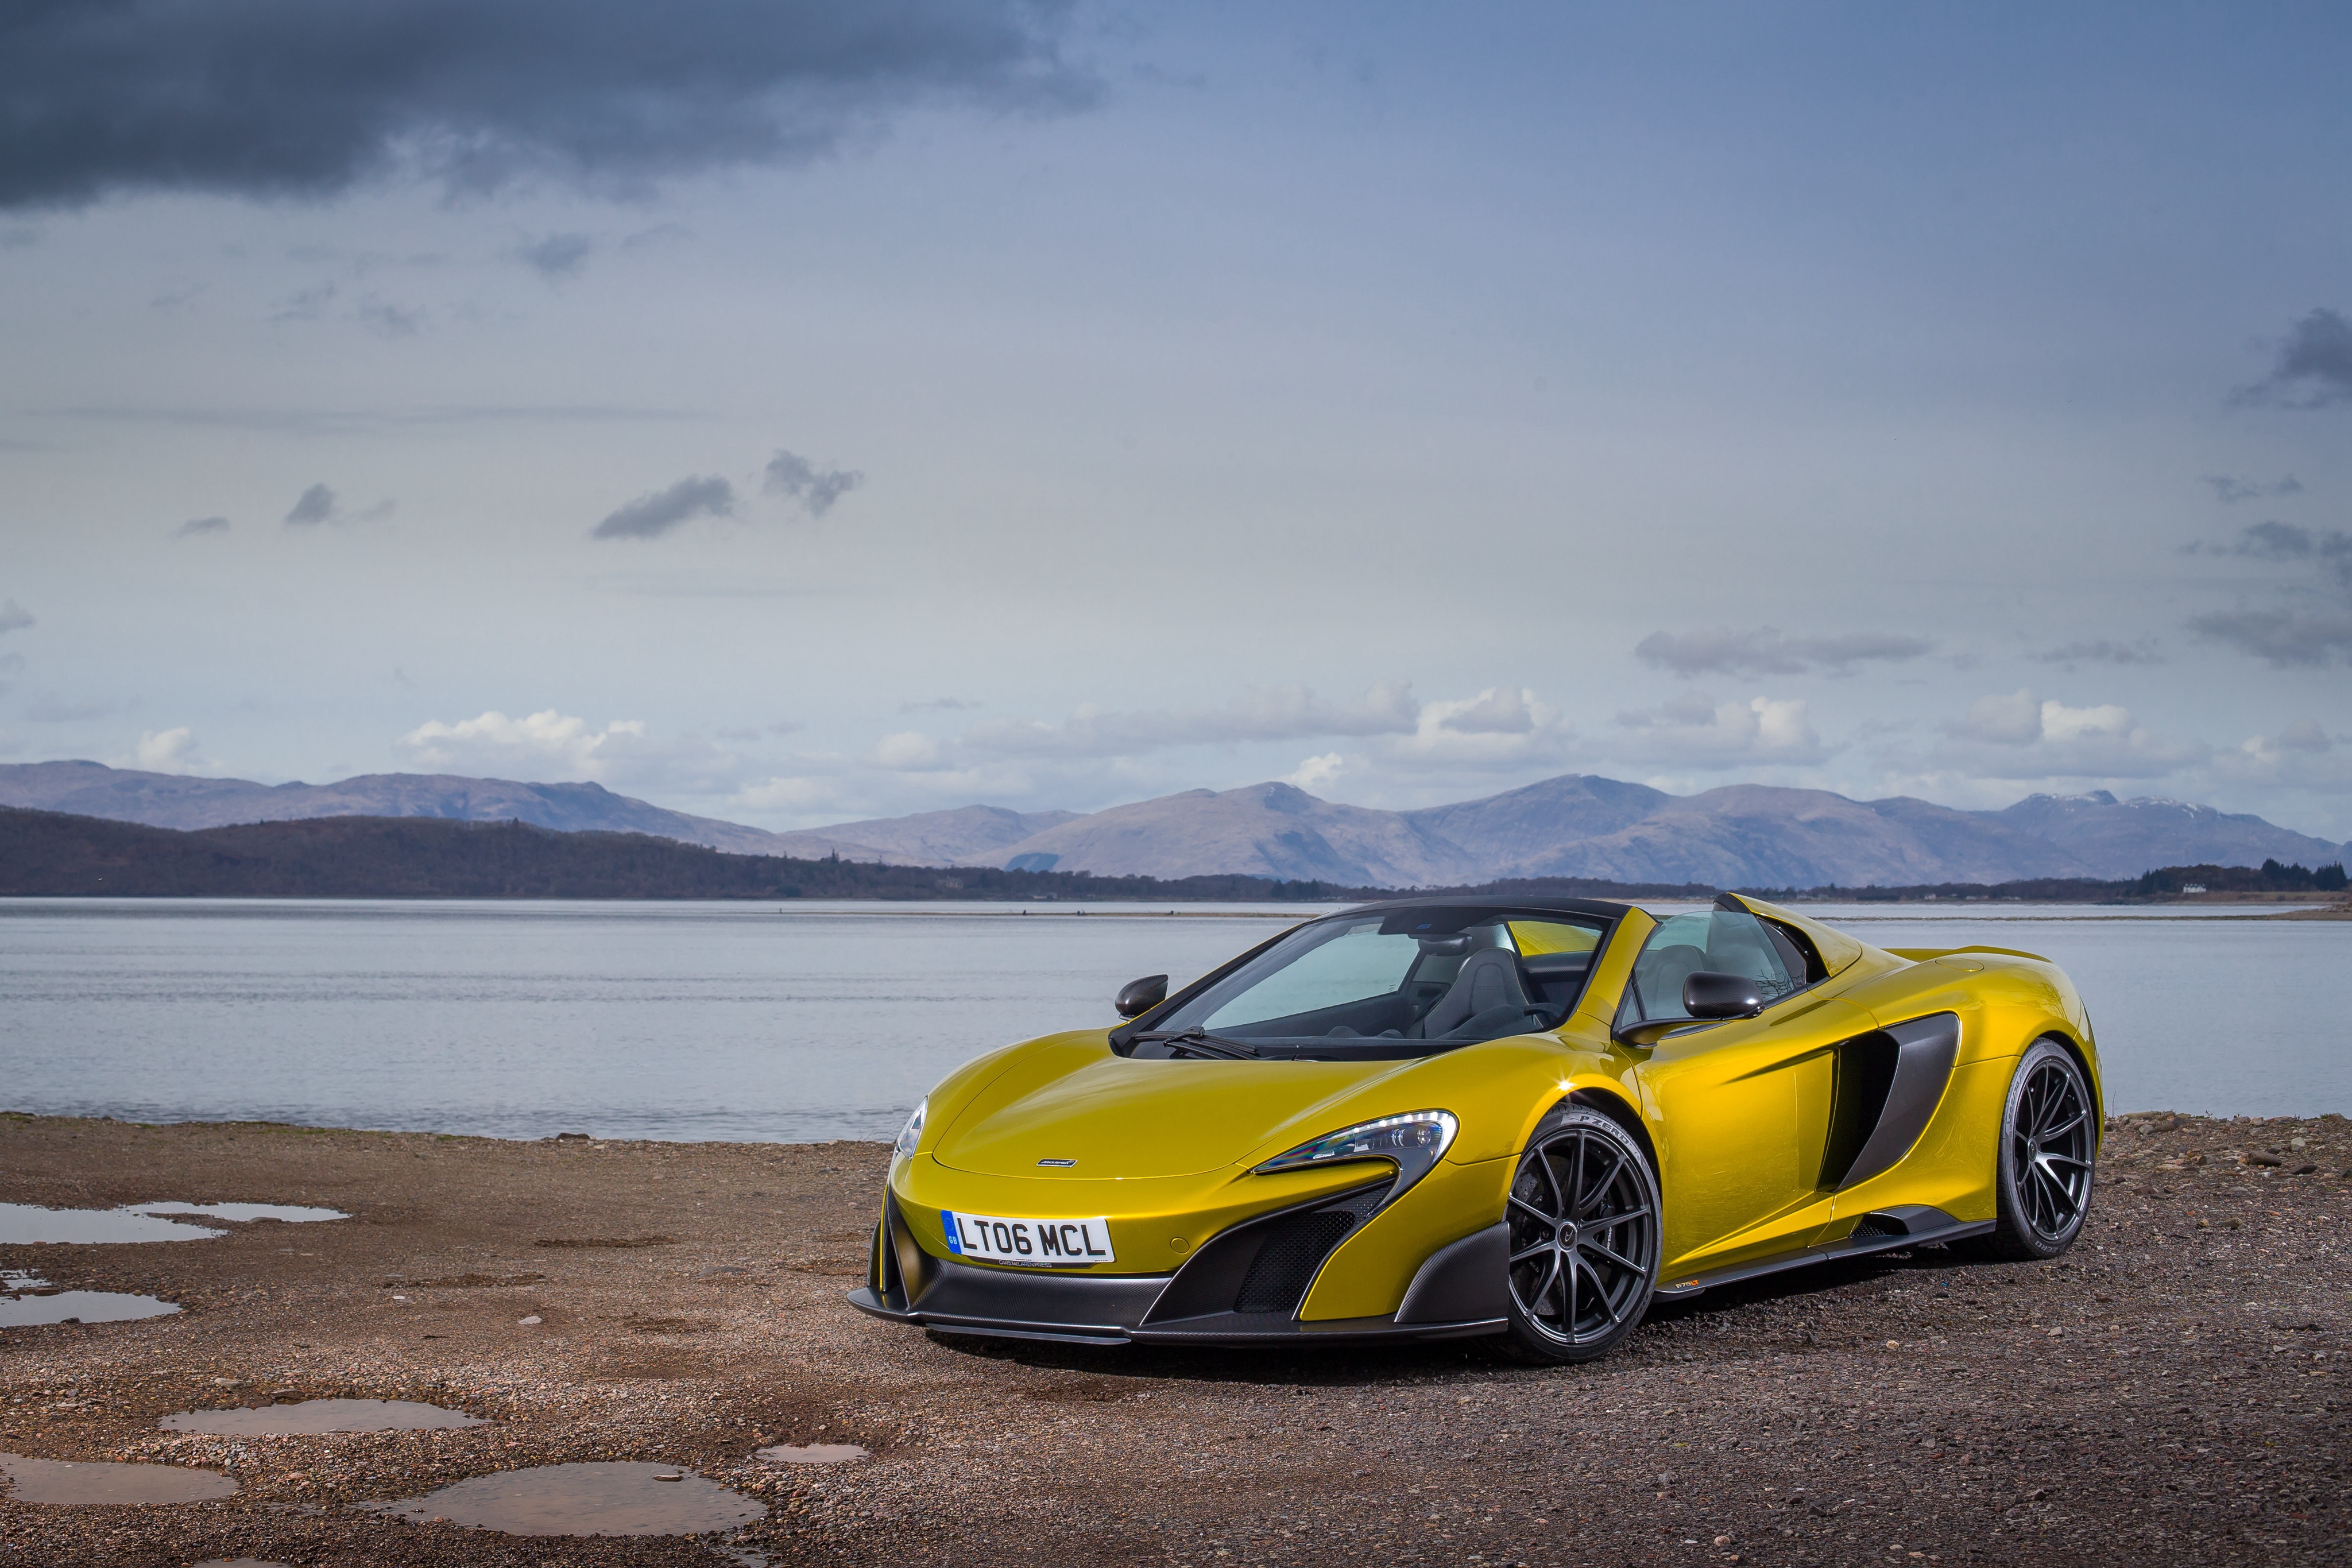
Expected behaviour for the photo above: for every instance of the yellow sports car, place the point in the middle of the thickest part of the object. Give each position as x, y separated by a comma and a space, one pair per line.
1448, 1117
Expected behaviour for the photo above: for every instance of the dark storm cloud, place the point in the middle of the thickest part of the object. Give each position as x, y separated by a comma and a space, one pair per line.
316, 506
278, 97
2228, 489
195, 525
813, 487
2285, 638
2313, 367
650, 516
1765, 651
2102, 652
555, 256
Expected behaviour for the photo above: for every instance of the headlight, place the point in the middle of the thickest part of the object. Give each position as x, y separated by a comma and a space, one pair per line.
912, 1133
1414, 1143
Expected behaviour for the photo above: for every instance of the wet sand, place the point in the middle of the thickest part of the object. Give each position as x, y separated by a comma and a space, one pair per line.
2177, 1387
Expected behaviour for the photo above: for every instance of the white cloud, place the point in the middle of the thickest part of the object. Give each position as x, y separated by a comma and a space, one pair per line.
1317, 772
908, 751
2302, 756
169, 751
2021, 734
545, 743
1695, 730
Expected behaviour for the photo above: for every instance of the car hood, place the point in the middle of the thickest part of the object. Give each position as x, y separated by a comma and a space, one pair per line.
1122, 1119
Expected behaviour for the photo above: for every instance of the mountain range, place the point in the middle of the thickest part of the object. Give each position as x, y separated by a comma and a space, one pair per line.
1578, 825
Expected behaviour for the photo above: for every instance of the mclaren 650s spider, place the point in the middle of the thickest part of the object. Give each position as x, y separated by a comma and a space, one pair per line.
1527, 1118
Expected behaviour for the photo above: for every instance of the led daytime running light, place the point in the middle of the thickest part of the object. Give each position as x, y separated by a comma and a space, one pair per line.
1414, 1142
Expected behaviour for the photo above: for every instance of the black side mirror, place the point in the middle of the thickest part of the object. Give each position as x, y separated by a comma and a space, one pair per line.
1139, 997
1709, 995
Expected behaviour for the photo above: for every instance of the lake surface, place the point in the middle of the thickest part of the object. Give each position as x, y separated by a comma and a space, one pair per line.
816, 1021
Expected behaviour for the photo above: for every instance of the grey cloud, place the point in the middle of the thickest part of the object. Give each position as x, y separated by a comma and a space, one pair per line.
2283, 638
14, 617
1765, 651
52, 710
292, 98
650, 516
365, 421
938, 704
2228, 489
814, 488
317, 506
11, 666
2330, 550
2102, 652
557, 257
1281, 712
386, 319
195, 526
2314, 368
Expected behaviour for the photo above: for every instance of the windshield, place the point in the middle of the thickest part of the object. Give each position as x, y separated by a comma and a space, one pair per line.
1400, 983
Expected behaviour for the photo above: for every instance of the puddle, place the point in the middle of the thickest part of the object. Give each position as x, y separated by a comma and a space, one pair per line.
26, 1299
814, 1454
23, 1222
313, 1416
292, 1214
56, 1480
608, 1498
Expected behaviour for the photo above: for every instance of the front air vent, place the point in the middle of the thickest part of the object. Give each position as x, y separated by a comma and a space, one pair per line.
1285, 1263
1266, 1265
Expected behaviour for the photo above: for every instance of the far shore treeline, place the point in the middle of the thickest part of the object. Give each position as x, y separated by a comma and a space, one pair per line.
54, 854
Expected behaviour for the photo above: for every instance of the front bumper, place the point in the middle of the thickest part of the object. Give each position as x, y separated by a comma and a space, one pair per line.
1234, 1291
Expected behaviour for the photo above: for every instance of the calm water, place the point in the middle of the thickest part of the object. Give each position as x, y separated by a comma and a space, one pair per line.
735, 1021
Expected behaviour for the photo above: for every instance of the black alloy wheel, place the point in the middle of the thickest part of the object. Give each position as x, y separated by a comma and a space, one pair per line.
2049, 1139
1583, 1218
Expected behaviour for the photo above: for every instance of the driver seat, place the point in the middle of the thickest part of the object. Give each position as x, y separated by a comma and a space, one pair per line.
1488, 979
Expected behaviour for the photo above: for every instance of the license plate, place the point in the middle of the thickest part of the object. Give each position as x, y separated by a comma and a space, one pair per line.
1032, 1243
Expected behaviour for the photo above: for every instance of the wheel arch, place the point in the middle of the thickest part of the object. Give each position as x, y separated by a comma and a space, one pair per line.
1621, 1111
2064, 1040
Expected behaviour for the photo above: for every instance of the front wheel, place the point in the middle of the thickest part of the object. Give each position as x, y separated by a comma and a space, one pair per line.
2048, 1137
1583, 1216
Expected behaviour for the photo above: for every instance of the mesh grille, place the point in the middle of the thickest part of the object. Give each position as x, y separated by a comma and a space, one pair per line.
1285, 1262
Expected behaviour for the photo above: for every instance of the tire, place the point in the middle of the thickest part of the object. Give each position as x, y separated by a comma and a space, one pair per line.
2043, 1176
1585, 1237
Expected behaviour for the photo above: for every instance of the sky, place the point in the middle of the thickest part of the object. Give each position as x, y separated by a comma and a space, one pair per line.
793, 413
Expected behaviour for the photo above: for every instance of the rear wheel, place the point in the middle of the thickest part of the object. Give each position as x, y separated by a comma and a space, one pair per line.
1584, 1237
2047, 1138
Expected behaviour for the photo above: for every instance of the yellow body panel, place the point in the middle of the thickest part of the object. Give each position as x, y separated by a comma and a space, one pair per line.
1735, 1114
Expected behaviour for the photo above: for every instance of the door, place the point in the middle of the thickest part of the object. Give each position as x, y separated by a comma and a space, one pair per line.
1742, 1107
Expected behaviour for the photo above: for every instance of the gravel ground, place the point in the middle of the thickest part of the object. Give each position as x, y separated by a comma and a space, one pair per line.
2176, 1386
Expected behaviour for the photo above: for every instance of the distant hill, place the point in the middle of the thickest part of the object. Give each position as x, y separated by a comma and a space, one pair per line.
177, 800
53, 854
964, 836
1579, 827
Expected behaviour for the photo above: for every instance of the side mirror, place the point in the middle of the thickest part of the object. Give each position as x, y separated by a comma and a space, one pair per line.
1139, 997
1708, 994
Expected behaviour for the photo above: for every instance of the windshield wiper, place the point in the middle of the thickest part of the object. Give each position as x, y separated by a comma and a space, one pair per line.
1201, 1042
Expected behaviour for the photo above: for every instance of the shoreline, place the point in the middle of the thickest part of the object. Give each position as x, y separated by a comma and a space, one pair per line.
682, 1304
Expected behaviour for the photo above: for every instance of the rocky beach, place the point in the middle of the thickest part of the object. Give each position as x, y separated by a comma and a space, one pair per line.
2179, 1386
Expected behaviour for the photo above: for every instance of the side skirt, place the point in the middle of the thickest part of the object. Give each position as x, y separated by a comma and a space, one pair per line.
1881, 1230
